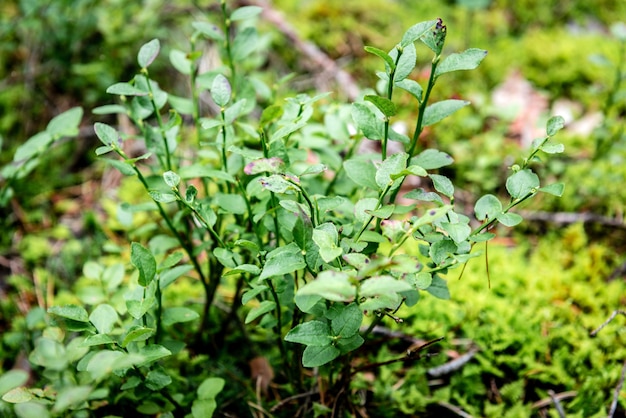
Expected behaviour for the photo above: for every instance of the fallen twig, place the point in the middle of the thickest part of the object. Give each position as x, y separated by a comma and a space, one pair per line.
453, 365
454, 409
618, 388
318, 60
557, 403
558, 396
566, 218
607, 322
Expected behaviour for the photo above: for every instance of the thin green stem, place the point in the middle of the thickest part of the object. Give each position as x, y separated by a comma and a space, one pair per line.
168, 160
227, 43
279, 327
195, 96
392, 73
422, 106
371, 217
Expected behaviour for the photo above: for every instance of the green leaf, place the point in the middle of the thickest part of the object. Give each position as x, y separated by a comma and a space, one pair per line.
209, 30
137, 333
382, 54
122, 166
104, 362
431, 159
422, 280
315, 356
394, 164
245, 12
440, 110
144, 261
12, 379
200, 170
327, 243
551, 148
482, 237
73, 312
244, 268
310, 303
362, 172
180, 61
250, 294
171, 179
178, 314
331, 285
411, 86
106, 134
141, 300
380, 285
367, 121
168, 276
263, 308
555, 189
162, 197
522, 183
432, 215
554, 125
440, 251
182, 105
104, 318
71, 396
442, 184
18, 395
37, 144
406, 63
203, 408
383, 104
487, 207
276, 183
125, 89
348, 322
152, 353
466, 60
220, 90
245, 43
457, 231
509, 219
109, 110
231, 203
65, 124
439, 288
157, 379
148, 53
383, 213
283, 260
312, 333
416, 31
210, 387
31, 410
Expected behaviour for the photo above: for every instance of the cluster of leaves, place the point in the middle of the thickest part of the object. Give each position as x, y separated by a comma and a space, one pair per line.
279, 218
533, 339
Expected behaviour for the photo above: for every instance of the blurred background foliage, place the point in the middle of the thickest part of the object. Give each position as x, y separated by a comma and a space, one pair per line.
545, 57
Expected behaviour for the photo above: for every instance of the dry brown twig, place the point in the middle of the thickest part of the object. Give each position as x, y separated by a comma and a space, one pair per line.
620, 382
318, 61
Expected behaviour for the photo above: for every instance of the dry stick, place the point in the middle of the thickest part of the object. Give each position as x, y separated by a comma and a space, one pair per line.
607, 322
620, 383
566, 218
618, 388
557, 404
559, 396
319, 61
293, 398
453, 365
454, 409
